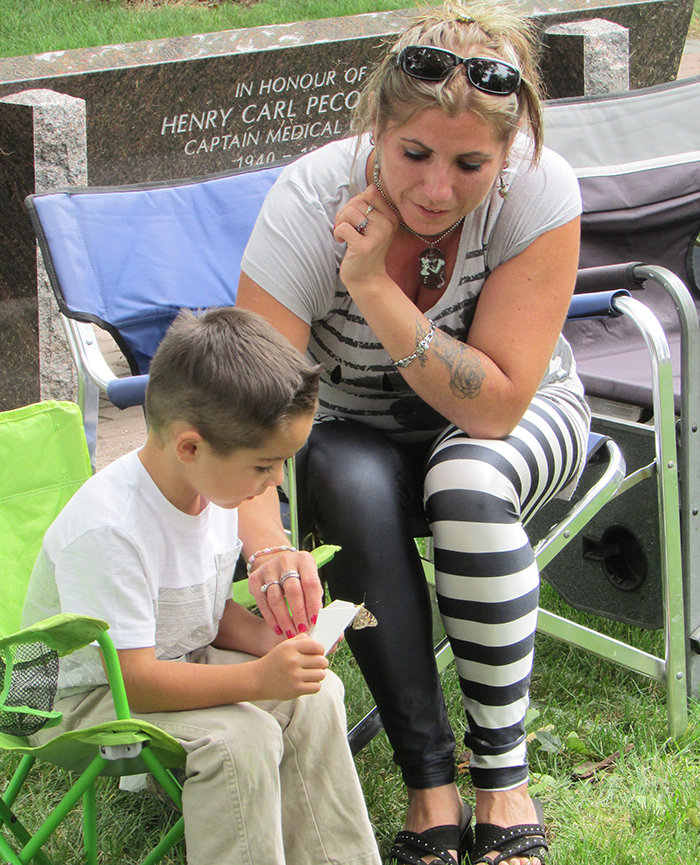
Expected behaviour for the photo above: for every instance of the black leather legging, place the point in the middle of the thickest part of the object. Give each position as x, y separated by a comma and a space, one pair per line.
359, 489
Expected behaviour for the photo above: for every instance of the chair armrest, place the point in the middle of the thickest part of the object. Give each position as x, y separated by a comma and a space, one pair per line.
86, 352
29, 670
608, 277
122, 392
600, 304
324, 554
64, 633
125, 392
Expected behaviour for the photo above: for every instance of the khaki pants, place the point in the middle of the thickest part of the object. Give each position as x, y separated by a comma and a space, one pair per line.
268, 783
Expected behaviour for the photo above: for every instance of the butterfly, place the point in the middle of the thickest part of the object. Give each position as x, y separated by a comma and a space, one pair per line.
363, 619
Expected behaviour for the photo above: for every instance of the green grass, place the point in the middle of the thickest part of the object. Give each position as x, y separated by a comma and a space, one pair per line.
37, 26
644, 809
694, 31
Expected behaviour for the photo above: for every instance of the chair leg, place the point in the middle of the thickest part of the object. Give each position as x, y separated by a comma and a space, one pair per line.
42, 834
90, 825
7, 854
669, 512
176, 834
7, 818
17, 780
173, 789
164, 778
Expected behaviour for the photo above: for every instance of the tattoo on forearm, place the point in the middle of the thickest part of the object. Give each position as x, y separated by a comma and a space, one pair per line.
466, 370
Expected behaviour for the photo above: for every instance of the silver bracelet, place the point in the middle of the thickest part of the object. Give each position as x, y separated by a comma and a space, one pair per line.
421, 347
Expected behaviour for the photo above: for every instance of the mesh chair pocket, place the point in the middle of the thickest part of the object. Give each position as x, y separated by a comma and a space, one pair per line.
29, 673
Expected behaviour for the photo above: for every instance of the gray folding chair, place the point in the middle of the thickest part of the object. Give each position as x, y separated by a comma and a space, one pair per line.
637, 157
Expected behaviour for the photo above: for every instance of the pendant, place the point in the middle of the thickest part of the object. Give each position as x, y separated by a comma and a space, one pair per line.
432, 267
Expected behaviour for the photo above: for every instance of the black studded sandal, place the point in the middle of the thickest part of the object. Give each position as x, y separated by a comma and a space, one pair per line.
410, 847
524, 839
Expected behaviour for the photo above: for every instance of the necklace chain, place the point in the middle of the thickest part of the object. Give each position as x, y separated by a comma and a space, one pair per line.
431, 243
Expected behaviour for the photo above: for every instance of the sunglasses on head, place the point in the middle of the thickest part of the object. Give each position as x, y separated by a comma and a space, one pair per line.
487, 74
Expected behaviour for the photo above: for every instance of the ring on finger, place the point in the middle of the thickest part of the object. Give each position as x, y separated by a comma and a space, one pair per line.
288, 575
266, 586
362, 226
370, 208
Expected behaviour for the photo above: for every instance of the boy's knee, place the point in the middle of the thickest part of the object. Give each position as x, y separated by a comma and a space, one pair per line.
237, 730
332, 688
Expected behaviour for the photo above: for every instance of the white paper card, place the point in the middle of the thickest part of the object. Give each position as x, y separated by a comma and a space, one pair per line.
332, 621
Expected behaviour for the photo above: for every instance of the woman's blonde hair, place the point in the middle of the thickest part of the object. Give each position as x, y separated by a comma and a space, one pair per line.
468, 30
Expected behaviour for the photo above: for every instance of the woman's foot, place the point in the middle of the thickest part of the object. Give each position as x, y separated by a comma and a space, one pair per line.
434, 806
507, 808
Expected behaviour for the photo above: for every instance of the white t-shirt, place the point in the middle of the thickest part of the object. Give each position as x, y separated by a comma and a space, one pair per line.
120, 551
293, 256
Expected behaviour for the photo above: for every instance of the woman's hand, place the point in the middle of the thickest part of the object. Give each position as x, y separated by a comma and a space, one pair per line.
294, 594
367, 225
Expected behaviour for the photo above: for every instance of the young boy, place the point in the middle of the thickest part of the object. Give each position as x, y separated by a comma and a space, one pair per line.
150, 544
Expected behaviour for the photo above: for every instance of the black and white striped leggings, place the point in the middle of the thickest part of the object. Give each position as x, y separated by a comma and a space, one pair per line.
361, 490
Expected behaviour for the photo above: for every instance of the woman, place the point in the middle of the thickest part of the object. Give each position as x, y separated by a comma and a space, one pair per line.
429, 264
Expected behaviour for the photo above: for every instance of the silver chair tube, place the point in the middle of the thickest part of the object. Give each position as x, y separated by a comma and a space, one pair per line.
689, 459
669, 508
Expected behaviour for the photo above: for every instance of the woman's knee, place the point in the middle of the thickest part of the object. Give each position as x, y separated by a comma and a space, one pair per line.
353, 478
350, 460
471, 481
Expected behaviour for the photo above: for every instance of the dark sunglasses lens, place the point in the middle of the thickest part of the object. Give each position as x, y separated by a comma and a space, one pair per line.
491, 76
426, 63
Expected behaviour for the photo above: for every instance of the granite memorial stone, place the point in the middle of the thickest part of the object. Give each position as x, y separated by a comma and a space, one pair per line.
593, 57
42, 145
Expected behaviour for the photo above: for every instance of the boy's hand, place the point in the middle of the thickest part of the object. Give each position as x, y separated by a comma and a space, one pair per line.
292, 669
287, 591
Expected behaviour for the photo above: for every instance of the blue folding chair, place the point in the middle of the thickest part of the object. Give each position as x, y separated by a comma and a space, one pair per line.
129, 258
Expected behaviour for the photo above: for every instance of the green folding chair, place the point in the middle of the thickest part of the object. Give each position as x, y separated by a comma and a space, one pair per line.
43, 460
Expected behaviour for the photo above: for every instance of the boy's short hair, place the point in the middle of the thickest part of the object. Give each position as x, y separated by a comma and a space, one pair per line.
229, 374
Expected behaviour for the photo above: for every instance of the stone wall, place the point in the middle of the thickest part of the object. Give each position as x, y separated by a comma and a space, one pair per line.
226, 101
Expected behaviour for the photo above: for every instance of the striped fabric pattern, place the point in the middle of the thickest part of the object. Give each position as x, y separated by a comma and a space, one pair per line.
478, 495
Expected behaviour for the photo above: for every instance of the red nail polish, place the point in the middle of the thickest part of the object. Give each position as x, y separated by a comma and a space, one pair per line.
278, 630
302, 628
314, 619
289, 634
